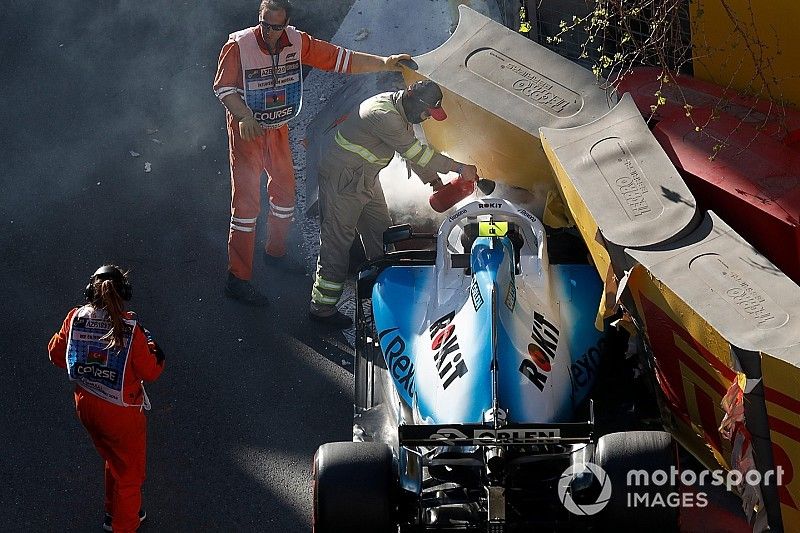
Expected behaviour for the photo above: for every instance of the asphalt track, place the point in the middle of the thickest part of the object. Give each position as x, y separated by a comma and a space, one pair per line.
247, 394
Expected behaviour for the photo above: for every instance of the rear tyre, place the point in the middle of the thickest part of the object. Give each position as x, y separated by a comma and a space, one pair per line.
353, 488
619, 453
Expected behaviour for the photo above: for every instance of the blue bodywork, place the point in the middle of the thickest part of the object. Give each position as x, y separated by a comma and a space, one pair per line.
440, 355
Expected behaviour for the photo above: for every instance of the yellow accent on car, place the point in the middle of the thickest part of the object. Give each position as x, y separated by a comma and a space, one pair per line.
490, 228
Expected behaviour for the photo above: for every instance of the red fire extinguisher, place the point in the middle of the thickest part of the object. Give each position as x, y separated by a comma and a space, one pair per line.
449, 195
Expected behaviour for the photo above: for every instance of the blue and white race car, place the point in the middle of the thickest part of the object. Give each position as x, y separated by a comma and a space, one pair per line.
475, 363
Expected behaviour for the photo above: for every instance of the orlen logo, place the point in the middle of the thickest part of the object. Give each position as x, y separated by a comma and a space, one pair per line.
444, 342
541, 351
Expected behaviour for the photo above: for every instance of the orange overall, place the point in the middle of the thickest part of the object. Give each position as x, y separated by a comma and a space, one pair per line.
119, 433
269, 152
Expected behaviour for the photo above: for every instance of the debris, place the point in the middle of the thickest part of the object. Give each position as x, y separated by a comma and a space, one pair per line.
61, 45
156, 141
152, 131
345, 362
147, 166
203, 147
134, 154
323, 99
98, 183
361, 34
240, 339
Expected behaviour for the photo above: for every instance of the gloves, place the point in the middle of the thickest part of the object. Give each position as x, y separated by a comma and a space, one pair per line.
469, 172
249, 128
156, 350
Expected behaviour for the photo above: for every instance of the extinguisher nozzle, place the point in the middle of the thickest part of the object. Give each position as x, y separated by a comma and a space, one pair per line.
486, 186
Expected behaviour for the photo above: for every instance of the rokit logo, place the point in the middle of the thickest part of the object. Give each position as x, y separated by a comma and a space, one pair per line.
541, 351
447, 354
398, 363
490, 205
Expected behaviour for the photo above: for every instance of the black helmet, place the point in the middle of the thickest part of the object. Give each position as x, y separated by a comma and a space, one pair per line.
112, 272
423, 96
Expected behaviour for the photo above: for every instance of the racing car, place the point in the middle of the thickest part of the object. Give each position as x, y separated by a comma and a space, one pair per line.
475, 362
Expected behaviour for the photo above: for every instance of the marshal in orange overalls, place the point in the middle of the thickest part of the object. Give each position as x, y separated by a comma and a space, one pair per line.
119, 433
246, 52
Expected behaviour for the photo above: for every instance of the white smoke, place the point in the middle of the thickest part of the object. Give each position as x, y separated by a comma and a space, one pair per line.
407, 198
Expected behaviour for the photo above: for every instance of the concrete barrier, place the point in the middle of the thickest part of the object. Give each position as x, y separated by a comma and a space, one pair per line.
713, 310
619, 185
499, 89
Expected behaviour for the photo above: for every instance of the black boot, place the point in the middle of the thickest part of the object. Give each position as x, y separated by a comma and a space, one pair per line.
243, 291
337, 320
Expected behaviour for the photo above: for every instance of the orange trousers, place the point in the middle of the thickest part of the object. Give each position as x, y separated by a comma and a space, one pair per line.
120, 436
271, 153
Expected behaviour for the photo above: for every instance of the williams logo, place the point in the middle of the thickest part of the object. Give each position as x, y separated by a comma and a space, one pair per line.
475, 293
447, 354
541, 351
511, 295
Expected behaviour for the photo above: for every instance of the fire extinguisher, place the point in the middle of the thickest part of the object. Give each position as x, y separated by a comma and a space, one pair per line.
449, 195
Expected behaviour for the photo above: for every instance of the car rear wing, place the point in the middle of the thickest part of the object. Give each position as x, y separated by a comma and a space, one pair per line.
508, 435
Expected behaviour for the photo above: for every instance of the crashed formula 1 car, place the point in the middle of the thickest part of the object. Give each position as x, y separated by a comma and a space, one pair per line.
475, 363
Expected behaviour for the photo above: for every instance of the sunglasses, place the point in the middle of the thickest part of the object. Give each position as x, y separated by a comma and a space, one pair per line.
274, 27
430, 105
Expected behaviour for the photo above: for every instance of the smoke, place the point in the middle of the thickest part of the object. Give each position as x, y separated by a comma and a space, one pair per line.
407, 198
119, 77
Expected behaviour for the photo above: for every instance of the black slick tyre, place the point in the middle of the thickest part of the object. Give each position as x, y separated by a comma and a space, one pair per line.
648, 451
353, 488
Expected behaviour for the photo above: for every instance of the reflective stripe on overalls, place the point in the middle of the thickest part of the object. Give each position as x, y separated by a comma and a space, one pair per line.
326, 293
360, 151
417, 152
